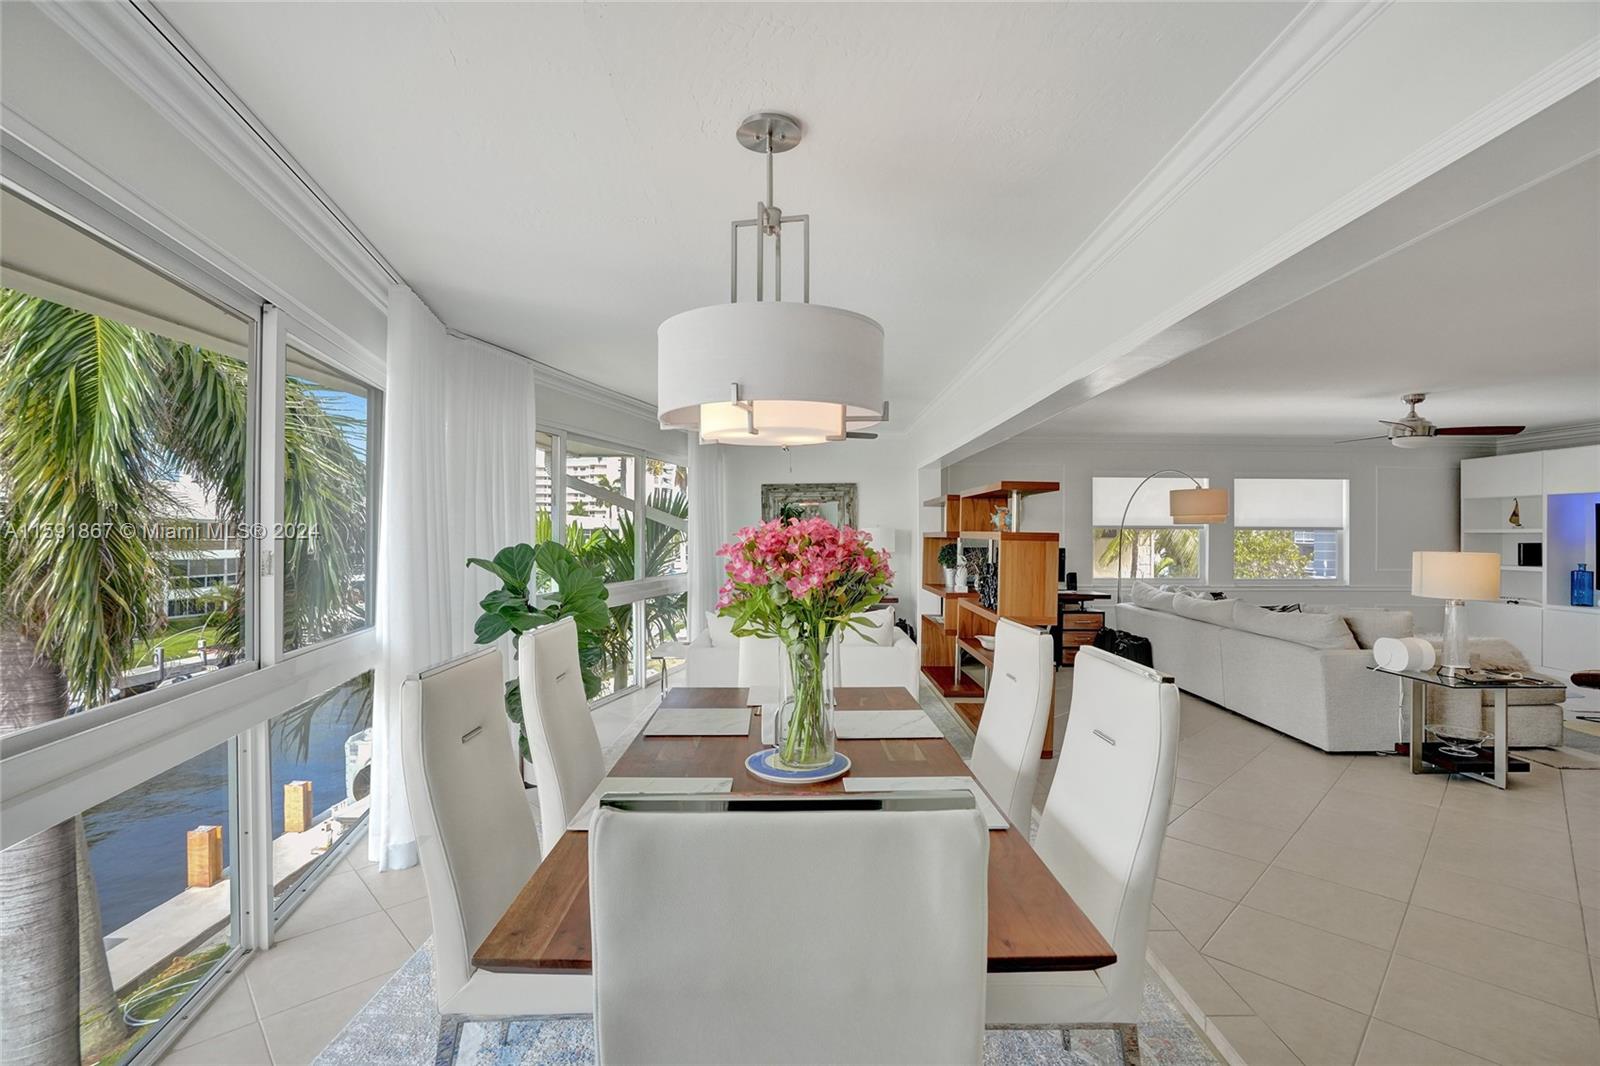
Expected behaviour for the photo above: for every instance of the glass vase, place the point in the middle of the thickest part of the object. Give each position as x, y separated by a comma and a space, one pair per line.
1583, 586
803, 732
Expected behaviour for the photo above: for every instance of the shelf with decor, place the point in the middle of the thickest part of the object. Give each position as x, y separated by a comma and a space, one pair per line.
1025, 579
1540, 512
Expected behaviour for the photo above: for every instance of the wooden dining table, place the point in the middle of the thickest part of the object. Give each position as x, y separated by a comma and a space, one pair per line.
1033, 922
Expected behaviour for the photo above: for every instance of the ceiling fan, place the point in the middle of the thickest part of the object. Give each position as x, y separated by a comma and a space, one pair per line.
1414, 431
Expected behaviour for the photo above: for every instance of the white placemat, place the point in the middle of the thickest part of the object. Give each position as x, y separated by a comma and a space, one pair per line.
654, 785
986, 807
699, 722
883, 725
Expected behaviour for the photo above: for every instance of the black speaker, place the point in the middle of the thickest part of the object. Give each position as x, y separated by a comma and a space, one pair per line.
1061, 565
1530, 554
1072, 581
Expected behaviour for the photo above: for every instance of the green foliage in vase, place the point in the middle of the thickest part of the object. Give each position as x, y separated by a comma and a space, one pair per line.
949, 555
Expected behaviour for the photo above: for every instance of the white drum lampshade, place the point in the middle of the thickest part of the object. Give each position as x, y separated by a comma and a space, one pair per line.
800, 370
1456, 575
1194, 507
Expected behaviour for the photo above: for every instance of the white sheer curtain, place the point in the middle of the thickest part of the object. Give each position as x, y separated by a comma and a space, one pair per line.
707, 529
457, 481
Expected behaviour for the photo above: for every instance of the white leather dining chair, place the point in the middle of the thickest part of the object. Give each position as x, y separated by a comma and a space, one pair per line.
567, 762
1005, 754
772, 935
475, 836
1101, 834
761, 668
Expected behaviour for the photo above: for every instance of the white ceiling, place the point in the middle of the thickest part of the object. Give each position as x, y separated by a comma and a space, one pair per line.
1496, 318
559, 178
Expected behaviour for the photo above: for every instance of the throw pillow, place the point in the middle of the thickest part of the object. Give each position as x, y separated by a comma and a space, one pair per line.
1302, 627
1370, 625
1203, 609
1151, 597
720, 631
1282, 608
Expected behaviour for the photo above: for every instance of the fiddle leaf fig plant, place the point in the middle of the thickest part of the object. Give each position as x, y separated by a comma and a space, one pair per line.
517, 607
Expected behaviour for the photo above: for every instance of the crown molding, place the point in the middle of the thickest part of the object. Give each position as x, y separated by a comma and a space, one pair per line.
1575, 435
1314, 37
136, 43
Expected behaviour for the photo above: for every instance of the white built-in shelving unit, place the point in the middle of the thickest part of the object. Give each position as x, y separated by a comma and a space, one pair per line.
1555, 493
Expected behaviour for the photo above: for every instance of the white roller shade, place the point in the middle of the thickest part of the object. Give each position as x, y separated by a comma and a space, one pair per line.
1289, 503
1151, 506
45, 257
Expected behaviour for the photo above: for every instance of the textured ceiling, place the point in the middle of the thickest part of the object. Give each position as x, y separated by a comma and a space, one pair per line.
1496, 318
559, 178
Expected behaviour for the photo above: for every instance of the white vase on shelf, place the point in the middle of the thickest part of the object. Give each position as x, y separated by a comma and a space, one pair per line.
949, 577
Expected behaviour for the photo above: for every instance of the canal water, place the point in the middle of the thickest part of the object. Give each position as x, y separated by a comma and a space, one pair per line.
137, 841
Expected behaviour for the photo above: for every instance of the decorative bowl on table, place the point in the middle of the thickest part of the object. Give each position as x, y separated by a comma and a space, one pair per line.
1460, 742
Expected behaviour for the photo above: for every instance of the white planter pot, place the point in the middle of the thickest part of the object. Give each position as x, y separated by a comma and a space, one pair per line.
949, 577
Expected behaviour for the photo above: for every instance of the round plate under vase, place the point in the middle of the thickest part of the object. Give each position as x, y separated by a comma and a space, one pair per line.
763, 764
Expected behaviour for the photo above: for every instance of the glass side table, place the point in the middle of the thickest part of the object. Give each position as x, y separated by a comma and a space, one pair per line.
1426, 756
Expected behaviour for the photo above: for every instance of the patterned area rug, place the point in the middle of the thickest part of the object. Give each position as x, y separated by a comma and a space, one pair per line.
400, 1027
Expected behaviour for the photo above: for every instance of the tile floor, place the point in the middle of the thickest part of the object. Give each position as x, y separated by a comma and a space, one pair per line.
348, 937
1310, 909
1318, 908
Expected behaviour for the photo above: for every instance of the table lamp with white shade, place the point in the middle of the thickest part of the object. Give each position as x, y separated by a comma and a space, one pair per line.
1455, 578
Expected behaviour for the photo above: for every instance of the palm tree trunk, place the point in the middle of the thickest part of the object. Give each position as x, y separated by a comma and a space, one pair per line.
38, 889
100, 1026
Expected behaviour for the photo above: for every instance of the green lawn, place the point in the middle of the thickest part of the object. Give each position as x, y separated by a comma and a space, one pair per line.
179, 640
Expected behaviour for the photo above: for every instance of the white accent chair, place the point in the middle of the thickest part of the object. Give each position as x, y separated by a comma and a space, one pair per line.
475, 837
793, 936
1016, 709
567, 762
1101, 835
861, 664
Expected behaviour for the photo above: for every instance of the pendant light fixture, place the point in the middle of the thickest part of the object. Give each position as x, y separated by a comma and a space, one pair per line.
766, 371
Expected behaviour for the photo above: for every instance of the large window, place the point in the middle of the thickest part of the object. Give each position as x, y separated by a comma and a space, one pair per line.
598, 498
118, 914
1151, 546
1289, 529
321, 754
124, 445
327, 532
156, 542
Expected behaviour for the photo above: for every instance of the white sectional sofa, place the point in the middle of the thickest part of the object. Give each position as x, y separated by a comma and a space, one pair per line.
713, 659
1305, 673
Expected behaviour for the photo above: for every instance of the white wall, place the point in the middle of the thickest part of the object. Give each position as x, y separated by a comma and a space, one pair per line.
61, 101
1401, 500
886, 488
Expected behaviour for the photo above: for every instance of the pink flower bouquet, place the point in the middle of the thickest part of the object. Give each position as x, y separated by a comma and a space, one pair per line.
802, 582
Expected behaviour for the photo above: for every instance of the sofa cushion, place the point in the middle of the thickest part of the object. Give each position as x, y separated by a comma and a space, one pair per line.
876, 628
1369, 625
1309, 628
1217, 612
1150, 597
720, 630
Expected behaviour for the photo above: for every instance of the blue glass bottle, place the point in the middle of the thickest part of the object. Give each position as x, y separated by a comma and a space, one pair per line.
1583, 586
